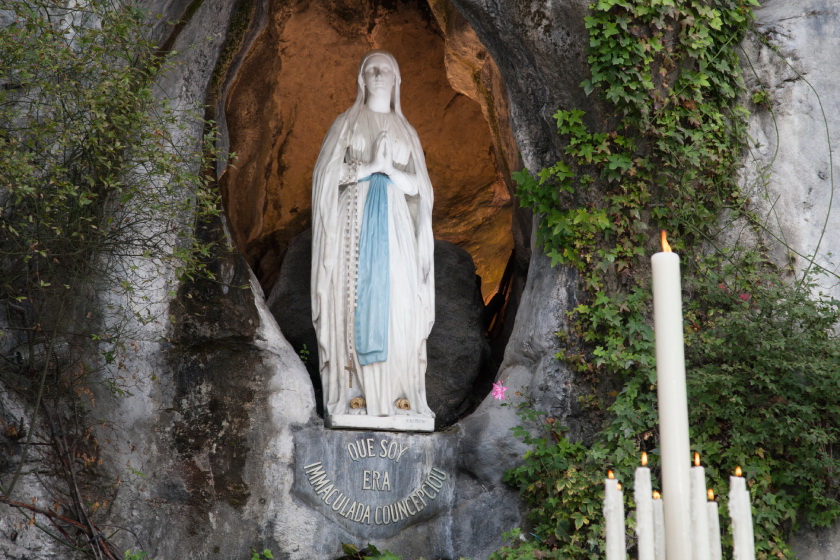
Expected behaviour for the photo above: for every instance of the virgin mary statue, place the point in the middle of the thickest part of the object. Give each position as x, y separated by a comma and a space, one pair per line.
372, 260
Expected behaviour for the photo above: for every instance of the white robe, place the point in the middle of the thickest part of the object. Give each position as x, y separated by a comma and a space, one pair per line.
337, 214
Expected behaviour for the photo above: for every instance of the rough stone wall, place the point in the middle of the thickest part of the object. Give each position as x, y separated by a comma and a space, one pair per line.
198, 438
220, 449
540, 50
212, 425
791, 174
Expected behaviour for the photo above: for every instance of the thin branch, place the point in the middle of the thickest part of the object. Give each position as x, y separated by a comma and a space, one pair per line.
35, 409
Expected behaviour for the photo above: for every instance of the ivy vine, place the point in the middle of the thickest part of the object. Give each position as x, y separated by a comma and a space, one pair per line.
762, 353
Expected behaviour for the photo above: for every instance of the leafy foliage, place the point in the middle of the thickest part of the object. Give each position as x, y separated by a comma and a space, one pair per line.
100, 187
762, 353
765, 388
351, 552
97, 175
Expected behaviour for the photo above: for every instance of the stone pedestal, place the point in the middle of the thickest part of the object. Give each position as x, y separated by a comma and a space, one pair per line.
375, 484
388, 423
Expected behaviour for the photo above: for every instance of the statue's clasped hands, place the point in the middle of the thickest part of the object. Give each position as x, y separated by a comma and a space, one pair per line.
383, 155
383, 162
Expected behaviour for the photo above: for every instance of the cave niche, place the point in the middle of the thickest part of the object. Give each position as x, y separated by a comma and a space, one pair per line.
298, 74
294, 75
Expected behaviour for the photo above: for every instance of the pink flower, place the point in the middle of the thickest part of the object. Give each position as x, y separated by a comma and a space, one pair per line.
745, 297
499, 390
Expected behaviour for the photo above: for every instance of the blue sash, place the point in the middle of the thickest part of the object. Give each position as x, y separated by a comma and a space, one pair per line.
373, 287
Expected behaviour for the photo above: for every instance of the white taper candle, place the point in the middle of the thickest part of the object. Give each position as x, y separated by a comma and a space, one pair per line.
642, 494
740, 512
658, 528
673, 403
614, 517
699, 514
715, 549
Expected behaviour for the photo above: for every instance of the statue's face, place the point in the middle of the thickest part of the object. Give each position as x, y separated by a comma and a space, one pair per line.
379, 75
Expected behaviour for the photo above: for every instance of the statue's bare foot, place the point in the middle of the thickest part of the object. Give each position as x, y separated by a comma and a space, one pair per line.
358, 406
402, 406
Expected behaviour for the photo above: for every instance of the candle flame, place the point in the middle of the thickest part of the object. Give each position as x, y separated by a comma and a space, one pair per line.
610, 475
696, 459
711, 494
656, 495
644, 458
618, 486
665, 246
738, 471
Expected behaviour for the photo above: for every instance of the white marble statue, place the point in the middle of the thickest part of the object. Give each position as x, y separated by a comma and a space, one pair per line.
373, 302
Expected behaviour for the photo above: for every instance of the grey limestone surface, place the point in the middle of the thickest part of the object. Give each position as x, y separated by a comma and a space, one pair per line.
790, 171
817, 544
223, 426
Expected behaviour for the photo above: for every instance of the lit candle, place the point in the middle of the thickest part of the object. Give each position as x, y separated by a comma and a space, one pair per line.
614, 516
699, 513
673, 403
658, 528
644, 511
740, 512
715, 549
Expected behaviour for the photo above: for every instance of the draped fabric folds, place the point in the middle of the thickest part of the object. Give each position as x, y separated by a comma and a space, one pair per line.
374, 290
379, 359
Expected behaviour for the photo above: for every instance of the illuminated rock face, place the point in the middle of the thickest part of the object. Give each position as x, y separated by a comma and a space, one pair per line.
299, 73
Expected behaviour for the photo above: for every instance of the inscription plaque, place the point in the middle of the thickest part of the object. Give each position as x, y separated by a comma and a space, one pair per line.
374, 483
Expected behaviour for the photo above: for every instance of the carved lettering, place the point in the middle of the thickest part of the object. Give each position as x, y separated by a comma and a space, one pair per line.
415, 502
340, 502
317, 477
366, 449
439, 473
408, 507
376, 480
412, 504
402, 509
344, 511
420, 494
327, 489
